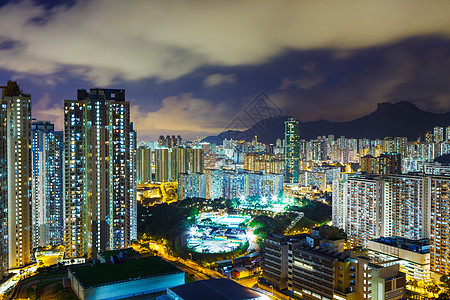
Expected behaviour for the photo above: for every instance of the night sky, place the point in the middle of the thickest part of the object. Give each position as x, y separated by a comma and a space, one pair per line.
189, 67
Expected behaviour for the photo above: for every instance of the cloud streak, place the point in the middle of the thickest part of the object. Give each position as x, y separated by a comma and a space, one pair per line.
218, 78
104, 41
184, 114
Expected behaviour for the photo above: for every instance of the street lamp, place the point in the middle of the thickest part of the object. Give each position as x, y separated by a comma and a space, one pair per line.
190, 254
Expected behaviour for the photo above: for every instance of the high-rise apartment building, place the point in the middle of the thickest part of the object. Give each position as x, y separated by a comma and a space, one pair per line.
386, 163
47, 187
440, 218
3, 190
291, 150
370, 206
438, 134
191, 185
99, 150
214, 184
407, 206
15, 177
364, 209
144, 164
133, 185
171, 162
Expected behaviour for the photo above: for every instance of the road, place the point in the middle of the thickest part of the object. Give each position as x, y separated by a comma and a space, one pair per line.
19, 274
248, 282
193, 266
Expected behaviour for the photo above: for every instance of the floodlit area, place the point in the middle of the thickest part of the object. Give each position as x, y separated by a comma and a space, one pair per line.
149, 194
49, 257
217, 233
273, 203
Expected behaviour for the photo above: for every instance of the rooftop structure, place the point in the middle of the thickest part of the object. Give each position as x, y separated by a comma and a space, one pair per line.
130, 278
217, 289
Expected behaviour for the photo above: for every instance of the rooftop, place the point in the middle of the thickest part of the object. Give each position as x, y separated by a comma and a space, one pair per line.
130, 251
107, 273
420, 246
217, 289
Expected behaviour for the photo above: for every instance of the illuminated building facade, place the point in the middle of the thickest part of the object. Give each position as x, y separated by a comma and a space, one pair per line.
162, 165
214, 184
15, 177
133, 183
144, 164
407, 206
268, 163
339, 202
412, 255
244, 185
400, 145
3, 190
371, 206
196, 161
170, 162
438, 134
364, 209
191, 185
47, 185
386, 163
291, 150
275, 263
440, 218
99, 150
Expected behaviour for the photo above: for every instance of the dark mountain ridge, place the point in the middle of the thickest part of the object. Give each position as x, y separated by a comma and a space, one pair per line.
389, 119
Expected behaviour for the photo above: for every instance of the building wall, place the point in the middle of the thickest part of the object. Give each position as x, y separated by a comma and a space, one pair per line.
440, 218
372, 206
47, 185
415, 265
275, 262
191, 185
3, 190
408, 206
16, 187
291, 150
364, 210
144, 164
99, 158
128, 288
312, 274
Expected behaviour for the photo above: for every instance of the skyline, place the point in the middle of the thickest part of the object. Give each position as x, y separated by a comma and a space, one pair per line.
183, 77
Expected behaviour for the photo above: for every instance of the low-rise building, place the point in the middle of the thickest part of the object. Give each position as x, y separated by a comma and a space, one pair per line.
212, 289
388, 283
413, 256
131, 278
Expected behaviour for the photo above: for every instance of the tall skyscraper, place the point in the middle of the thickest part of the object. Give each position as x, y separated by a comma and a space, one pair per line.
99, 151
291, 150
196, 160
438, 134
372, 206
133, 183
440, 218
15, 175
47, 187
162, 164
407, 206
144, 164
364, 215
171, 162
